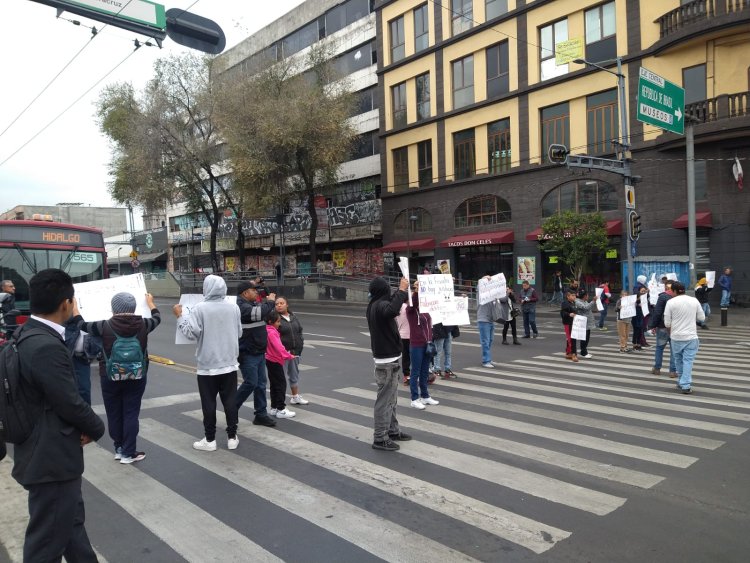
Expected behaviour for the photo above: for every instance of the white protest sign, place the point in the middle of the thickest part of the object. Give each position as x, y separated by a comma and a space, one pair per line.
459, 316
94, 297
491, 289
644, 307
672, 276
711, 279
627, 306
403, 265
188, 301
578, 330
599, 304
436, 295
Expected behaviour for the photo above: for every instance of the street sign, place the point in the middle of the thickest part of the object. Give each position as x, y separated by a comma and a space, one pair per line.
133, 254
568, 51
660, 102
139, 12
629, 197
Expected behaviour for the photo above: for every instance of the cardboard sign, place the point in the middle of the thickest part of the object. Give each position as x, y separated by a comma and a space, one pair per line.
627, 306
672, 276
188, 301
94, 298
436, 295
644, 306
491, 289
711, 279
578, 330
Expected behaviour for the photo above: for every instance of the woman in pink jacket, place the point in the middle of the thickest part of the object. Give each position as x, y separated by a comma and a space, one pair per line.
276, 355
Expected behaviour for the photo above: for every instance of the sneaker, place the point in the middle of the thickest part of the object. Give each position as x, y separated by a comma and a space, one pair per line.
204, 445
685, 391
704, 327
526, 336
387, 445
118, 454
655, 371
449, 374
232, 443
603, 328
285, 413
298, 400
588, 356
137, 456
264, 420
273, 412
400, 437
536, 335
417, 404
488, 365
429, 401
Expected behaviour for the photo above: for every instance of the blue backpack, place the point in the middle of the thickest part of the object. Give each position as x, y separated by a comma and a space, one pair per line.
126, 360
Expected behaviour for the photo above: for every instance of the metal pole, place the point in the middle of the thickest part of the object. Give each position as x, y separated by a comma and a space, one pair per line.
690, 157
624, 146
281, 262
119, 271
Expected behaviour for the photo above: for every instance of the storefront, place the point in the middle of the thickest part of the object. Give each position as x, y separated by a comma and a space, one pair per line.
472, 256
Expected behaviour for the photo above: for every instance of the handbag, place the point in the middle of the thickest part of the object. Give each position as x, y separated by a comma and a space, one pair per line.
455, 332
497, 312
430, 350
514, 312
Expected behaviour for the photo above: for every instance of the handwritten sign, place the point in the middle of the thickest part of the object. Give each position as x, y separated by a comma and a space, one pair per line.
672, 276
436, 295
644, 307
627, 306
578, 330
491, 289
459, 316
94, 297
188, 301
711, 279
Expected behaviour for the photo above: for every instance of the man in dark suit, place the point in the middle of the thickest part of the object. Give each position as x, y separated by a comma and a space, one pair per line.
49, 464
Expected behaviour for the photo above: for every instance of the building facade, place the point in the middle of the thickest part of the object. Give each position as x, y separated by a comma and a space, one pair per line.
112, 220
473, 96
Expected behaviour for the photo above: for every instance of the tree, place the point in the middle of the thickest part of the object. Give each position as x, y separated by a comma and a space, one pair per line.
576, 237
287, 129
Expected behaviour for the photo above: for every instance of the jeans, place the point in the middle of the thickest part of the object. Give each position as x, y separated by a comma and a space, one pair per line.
486, 335
684, 352
253, 369
122, 403
83, 378
529, 322
557, 297
662, 338
420, 371
706, 310
387, 379
726, 295
443, 359
225, 385
603, 315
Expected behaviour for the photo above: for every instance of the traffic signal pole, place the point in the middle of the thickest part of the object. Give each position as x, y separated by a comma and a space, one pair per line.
690, 158
626, 172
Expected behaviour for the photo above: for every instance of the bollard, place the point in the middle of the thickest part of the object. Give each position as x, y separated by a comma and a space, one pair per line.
724, 316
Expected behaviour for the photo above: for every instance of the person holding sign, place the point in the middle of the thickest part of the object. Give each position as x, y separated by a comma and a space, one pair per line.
701, 294
486, 325
420, 329
623, 323
568, 313
656, 321
639, 340
584, 308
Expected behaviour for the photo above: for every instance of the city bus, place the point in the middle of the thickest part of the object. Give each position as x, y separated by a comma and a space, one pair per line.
28, 246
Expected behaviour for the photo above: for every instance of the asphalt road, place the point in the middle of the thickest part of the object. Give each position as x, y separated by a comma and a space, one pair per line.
538, 459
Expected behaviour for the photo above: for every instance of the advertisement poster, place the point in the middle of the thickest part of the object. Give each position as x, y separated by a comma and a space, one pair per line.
526, 269
230, 264
339, 258
444, 266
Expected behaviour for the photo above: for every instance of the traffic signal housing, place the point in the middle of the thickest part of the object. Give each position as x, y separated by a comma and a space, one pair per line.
635, 225
558, 154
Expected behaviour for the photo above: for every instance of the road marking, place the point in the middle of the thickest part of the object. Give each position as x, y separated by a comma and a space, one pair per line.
323, 335
338, 345
156, 402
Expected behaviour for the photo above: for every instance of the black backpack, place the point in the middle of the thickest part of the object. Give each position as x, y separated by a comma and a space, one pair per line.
16, 415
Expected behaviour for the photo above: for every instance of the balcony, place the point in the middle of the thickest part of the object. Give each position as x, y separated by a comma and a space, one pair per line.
725, 106
697, 12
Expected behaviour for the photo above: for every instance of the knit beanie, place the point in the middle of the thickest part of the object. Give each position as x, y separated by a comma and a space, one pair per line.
123, 302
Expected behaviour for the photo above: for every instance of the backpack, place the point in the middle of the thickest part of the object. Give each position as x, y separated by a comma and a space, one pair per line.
16, 415
126, 360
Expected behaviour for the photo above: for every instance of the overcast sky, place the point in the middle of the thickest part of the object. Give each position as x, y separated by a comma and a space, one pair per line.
68, 161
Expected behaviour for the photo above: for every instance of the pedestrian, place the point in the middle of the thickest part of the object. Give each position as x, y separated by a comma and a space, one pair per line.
385, 343
122, 397
486, 325
557, 289
638, 320
216, 326
656, 322
277, 267
443, 338
508, 314
623, 325
568, 313
701, 294
681, 315
585, 307
49, 464
8, 304
605, 299
725, 283
573, 286
528, 308
276, 356
290, 330
420, 330
252, 347
403, 330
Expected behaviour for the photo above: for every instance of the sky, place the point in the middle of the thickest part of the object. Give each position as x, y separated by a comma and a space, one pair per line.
68, 162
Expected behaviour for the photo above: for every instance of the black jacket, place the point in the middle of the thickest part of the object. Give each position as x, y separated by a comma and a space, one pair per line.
53, 452
656, 319
254, 338
701, 293
291, 334
565, 310
382, 311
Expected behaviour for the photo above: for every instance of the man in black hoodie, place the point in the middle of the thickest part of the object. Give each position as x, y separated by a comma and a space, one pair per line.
385, 342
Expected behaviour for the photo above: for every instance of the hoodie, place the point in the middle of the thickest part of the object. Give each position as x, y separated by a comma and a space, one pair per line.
420, 324
382, 311
216, 326
275, 351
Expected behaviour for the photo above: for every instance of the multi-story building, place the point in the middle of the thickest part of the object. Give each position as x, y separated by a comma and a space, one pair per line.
112, 220
474, 96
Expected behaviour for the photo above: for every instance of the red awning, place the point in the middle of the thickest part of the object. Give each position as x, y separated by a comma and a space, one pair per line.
416, 244
614, 228
702, 219
477, 239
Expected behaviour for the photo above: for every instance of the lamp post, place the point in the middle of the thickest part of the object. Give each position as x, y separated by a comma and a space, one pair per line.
410, 225
119, 271
280, 276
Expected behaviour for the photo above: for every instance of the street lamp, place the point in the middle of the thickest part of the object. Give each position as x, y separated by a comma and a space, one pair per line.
410, 226
280, 274
119, 248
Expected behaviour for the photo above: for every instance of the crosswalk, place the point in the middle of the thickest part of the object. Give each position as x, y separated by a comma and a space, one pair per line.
514, 458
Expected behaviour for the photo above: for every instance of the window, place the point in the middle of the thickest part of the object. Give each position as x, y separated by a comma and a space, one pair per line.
498, 144
421, 29
414, 220
367, 100
401, 169
462, 15
355, 59
464, 154
482, 210
424, 152
365, 145
495, 8
497, 70
581, 196
601, 121
701, 183
601, 26
398, 97
694, 82
300, 39
555, 127
423, 96
398, 47
549, 36
463, 82
344, 14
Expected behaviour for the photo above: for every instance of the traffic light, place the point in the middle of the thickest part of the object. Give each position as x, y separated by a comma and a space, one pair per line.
558, 154
635, 225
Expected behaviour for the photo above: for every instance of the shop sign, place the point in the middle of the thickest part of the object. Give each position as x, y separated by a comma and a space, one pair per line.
222, 245
475, 242
526, 269
554, 259
611, 253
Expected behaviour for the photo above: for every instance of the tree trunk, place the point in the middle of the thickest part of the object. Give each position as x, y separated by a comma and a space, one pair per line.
313, 227
240, 242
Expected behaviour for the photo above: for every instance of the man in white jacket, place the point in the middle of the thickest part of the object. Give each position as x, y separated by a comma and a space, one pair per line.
681, 316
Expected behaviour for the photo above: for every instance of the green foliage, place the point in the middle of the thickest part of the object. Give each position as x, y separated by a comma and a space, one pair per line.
576, 237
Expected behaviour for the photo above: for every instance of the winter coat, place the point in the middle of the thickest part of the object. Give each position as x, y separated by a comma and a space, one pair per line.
291, 334
275, 351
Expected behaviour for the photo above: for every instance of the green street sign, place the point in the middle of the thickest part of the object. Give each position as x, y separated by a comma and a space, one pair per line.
660, 102
142, 12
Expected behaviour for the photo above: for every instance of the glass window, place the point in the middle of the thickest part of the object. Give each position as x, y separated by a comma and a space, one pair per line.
495, 8
424, 152
401, 169
423, 96
549, 36
464, 154
421, 29
497, 70
344, 14
463, 82
694, 82
498, 144
398, 47
414, 220
555, 127
365, 145
300, 39
366, 100
601, 121
601, 43
398, 97
580, 196
462, 15
355, 59
482, 210
335, 19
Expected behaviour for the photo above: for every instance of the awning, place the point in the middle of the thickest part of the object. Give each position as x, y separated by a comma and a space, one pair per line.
477, 239
152, 257
614, 228
416, 244
702, 219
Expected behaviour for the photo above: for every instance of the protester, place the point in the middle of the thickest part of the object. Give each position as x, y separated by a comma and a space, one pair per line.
585, 307
486, 325
638, 321
725, 283
573, 286
403, 330
508, 314
605, 298
701, 294
122, 397
420, 330
216, 326
557, 289
623, 325
656, 322
443, 340
681, 314
74, 340
49, 464
252, 347
385, 343
528, 308
276, 356
568, 312
293, 340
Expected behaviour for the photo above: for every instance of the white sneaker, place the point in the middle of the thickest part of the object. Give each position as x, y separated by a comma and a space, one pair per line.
429, 401
273, 412
417, 404
285, 413
205, 445
587, 356
488, 365
298, 400
232, 443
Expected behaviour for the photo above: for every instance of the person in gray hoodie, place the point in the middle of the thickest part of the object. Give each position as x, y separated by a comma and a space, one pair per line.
585, 307
215, 324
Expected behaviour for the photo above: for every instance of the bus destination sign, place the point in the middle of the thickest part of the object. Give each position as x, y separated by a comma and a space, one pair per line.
45, 235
